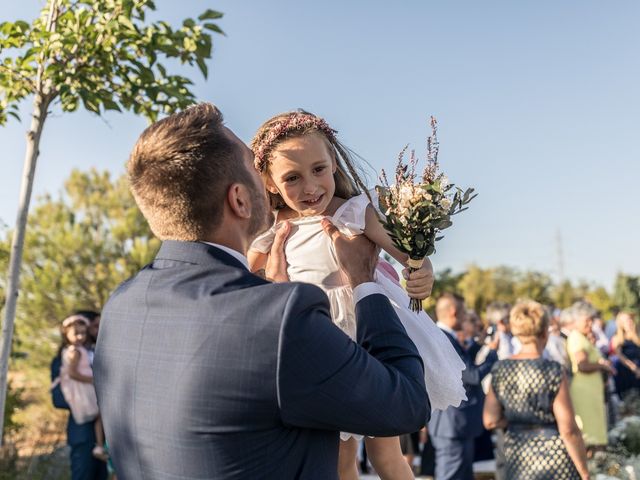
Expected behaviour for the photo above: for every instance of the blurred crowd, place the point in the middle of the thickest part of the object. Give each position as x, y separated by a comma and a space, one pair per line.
598, 358
600, 362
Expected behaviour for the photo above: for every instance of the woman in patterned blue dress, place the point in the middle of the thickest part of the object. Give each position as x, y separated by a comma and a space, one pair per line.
529, 397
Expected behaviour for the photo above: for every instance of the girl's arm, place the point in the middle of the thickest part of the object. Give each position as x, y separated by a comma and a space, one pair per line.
420, 282
569, 431
74, 359
492, 415
257, 261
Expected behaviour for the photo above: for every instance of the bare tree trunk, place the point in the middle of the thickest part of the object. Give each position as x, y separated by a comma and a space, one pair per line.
40, 105
41, 101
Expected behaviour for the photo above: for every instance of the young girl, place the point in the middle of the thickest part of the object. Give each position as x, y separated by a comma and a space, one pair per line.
309, 175
76, 378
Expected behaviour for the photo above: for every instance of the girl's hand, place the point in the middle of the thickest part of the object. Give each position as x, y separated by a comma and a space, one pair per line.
420, 282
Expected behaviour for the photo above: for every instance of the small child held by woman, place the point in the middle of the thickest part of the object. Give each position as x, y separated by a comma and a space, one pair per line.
309, 175
76, 378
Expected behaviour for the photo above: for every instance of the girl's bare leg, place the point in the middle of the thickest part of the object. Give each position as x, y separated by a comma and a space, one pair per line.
347, 465
386, 457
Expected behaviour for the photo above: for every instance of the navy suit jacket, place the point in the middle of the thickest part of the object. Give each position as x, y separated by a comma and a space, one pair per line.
204, 370
464, 421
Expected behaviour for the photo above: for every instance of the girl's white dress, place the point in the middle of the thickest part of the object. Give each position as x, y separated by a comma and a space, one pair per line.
80, 396
311, 258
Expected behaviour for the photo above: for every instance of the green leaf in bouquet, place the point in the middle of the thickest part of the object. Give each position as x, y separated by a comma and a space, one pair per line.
468, 196
444, 223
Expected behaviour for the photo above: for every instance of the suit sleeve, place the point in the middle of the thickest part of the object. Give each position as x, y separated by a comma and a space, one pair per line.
327, 381
473, 374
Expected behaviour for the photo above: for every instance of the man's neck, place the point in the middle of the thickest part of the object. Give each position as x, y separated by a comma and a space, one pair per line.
230, 238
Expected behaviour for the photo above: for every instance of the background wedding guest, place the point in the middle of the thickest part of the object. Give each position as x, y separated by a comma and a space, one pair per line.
601, 341
81, 437
611, 324
566, 321
626, 345
587, 385
453, 431
471, 329
529, 397
556, 348
497, 316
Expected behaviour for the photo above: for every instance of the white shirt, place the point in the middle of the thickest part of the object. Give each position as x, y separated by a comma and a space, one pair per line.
447, 329
359, 292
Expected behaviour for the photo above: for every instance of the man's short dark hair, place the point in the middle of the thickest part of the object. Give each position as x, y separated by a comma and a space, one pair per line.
180, 170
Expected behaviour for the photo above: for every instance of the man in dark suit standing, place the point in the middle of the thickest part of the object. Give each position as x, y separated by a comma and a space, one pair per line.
204, 370
453, 430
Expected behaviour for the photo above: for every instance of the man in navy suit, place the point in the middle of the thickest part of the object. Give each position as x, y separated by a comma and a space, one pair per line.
204, 370
453, 430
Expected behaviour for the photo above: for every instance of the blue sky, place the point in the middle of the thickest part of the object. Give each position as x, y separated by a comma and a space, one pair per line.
538, 105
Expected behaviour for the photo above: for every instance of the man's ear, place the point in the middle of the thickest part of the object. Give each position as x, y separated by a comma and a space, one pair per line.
239, 199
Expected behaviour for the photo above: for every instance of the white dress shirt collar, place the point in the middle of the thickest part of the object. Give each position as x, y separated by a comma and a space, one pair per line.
234, 253
446, 328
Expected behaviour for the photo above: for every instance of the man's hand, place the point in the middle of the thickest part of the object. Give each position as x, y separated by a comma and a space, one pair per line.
420, 282
357, 256
276, 268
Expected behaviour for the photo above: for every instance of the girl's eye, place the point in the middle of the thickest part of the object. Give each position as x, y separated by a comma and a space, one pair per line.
290, 179
320, 169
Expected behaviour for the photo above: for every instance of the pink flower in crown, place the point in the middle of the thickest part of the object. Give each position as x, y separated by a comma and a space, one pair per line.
295, 122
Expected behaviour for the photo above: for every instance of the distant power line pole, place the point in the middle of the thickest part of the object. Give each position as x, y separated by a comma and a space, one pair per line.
560, 255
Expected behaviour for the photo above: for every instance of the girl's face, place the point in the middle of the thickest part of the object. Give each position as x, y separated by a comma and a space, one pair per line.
301, 171
77, 334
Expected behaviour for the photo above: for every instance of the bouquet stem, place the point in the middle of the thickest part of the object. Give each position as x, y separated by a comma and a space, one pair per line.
415, 305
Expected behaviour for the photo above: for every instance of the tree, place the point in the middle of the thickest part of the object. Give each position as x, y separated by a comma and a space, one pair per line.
99, 54
601, 301
445, 282
626, 292
533, 285
563, 294
478, 287
78, 248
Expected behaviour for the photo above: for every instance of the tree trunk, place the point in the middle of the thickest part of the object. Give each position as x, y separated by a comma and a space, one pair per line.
40, 105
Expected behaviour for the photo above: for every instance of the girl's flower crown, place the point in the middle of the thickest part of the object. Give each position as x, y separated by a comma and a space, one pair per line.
73, 319
295, 121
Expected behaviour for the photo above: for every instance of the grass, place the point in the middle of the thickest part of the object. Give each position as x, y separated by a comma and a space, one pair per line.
35, 438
